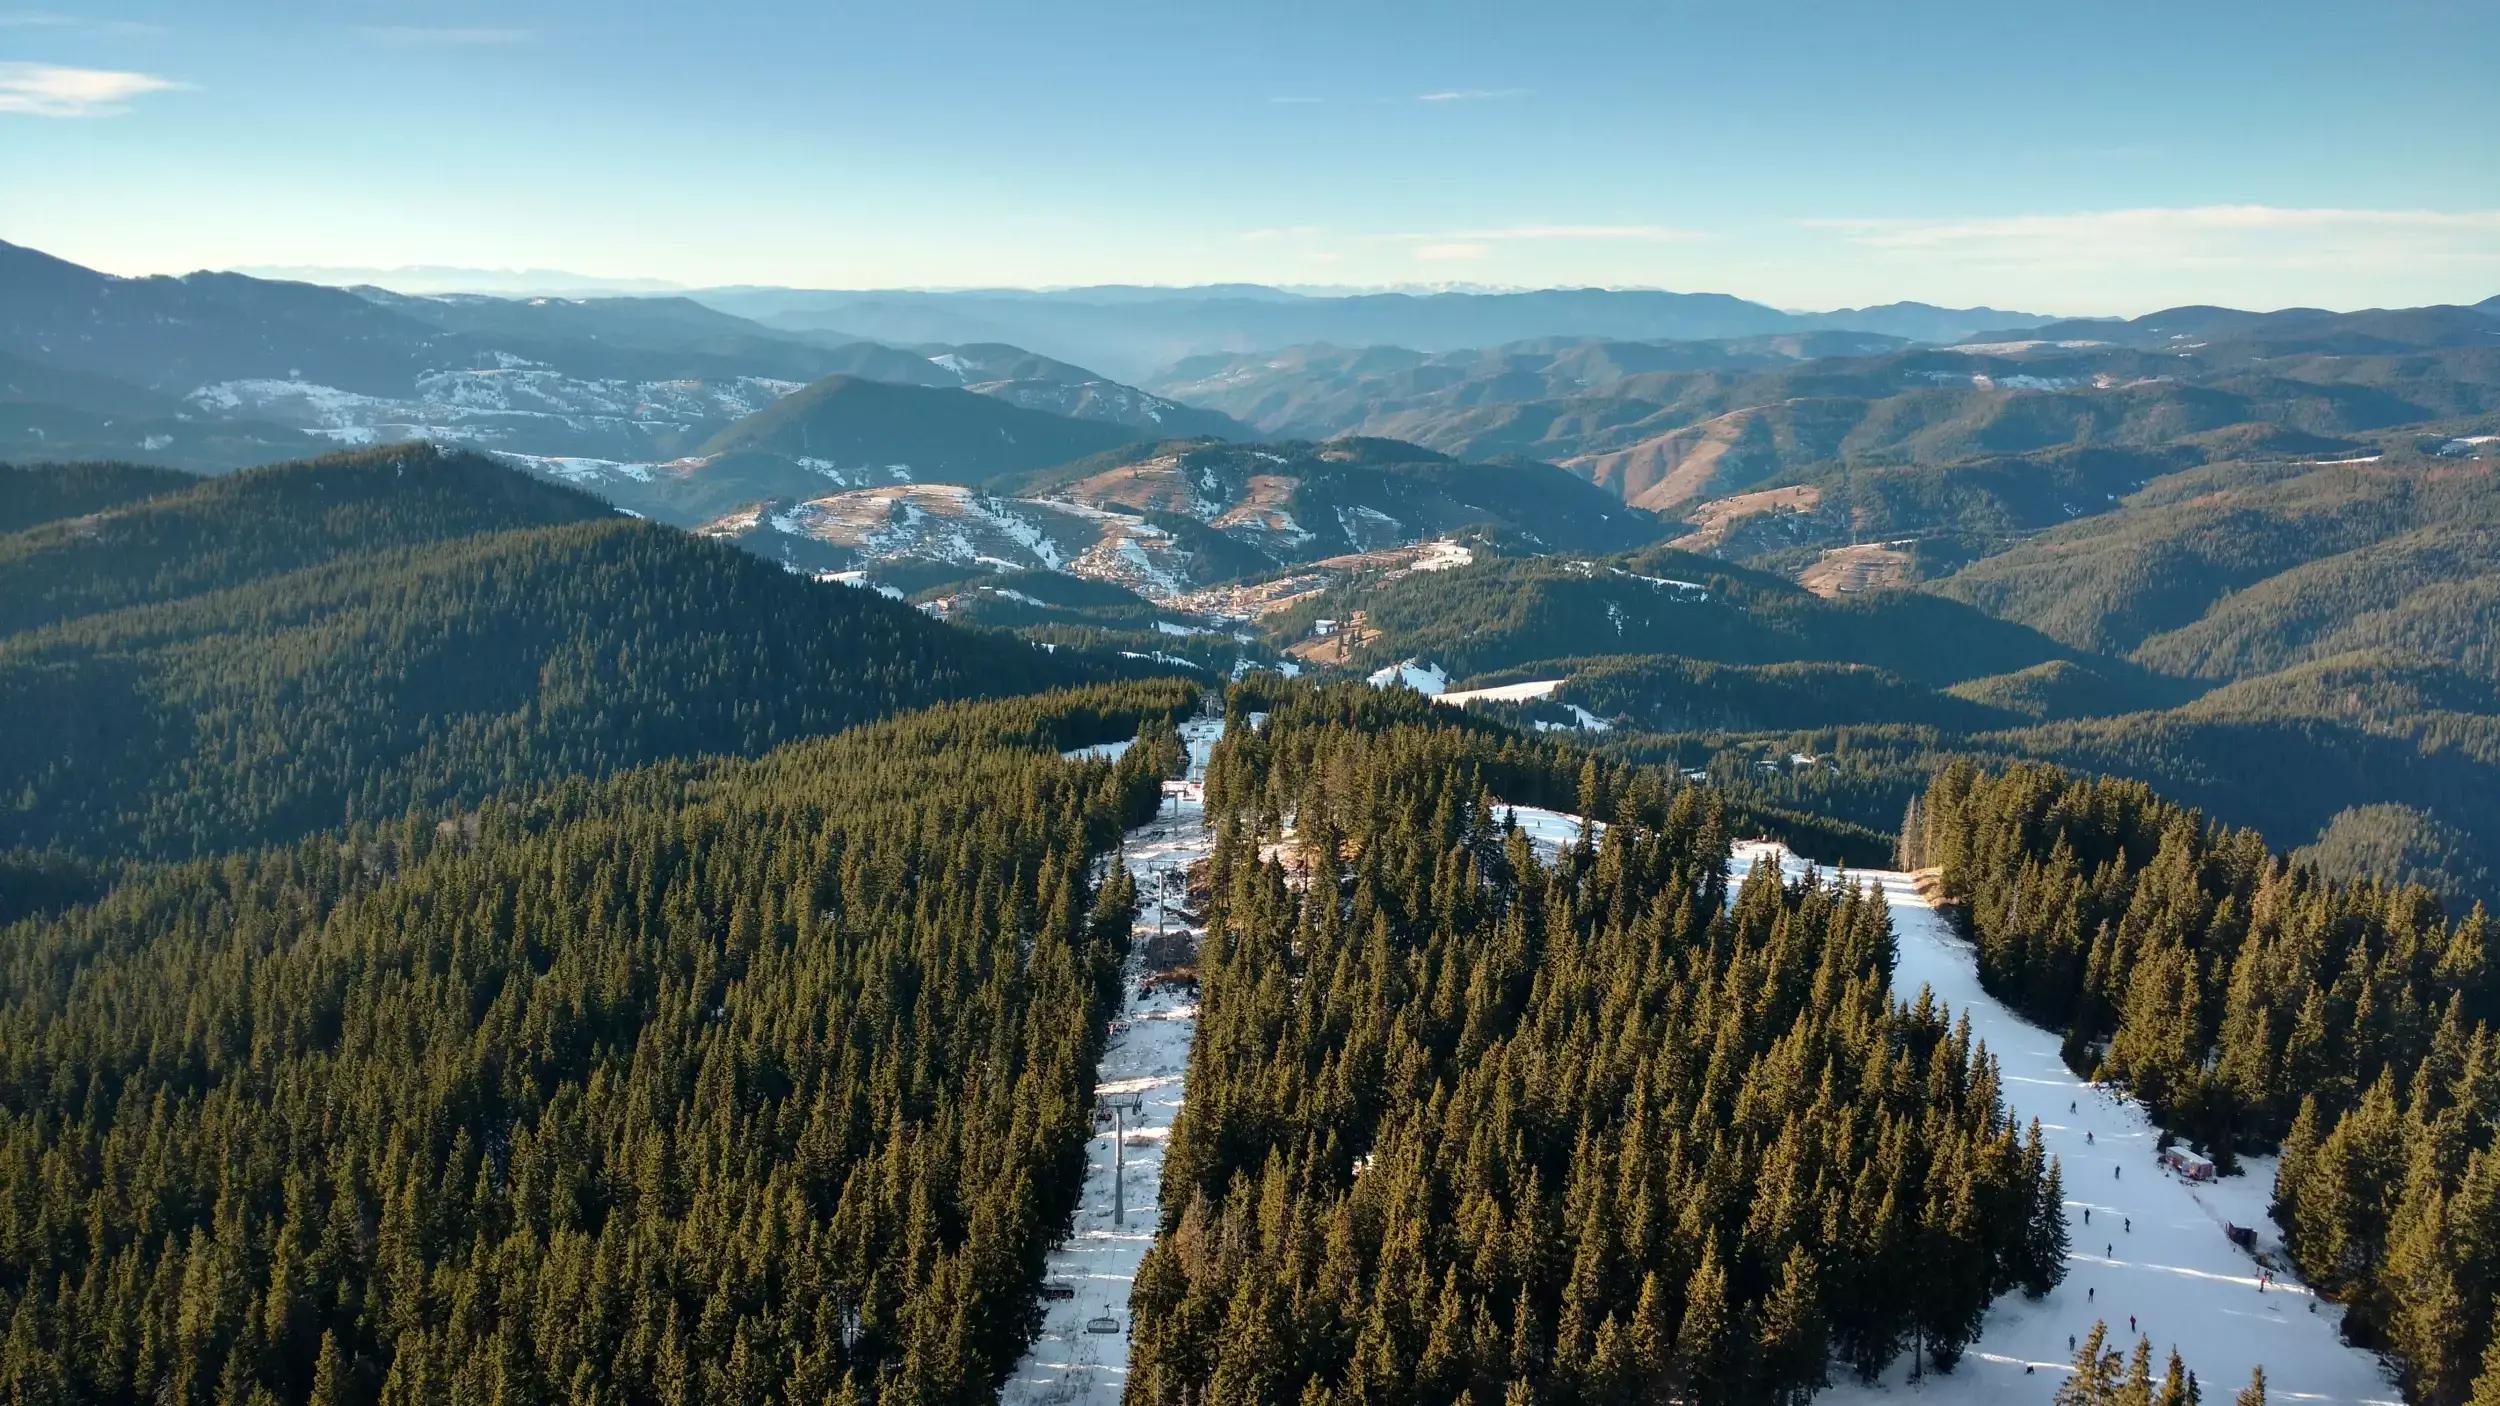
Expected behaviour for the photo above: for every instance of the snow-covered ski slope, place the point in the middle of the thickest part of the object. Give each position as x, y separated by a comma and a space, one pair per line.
1141, 1069
2174, 1270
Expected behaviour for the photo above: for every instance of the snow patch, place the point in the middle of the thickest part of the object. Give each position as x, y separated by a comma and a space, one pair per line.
1427, 679
1507, 693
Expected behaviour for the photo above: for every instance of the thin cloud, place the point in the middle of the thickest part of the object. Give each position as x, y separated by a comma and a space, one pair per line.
1471, 95
81, 24
463, 38
1647, 234
50, 90
1458, 252
2277, 235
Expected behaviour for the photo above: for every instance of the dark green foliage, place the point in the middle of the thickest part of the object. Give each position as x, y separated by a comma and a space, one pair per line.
739, 1081
947, 435
244, 527
2056, 691
31, 494
438, 678
2105, 1377
2242, 569
1501, 615
2399, 845
2250, 1002
1662, 693
297, 647
1465, 1125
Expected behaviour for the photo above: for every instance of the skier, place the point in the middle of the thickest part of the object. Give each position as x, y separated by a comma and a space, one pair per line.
2130, 1220
2116, 1172
2130, 1322
2109, 1252
2091, 1293
2070, 1105
2070, 1342
2087, 1137
2087, 1215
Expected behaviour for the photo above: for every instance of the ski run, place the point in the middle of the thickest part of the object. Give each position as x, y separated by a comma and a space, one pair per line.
1081, 1356
2147, 1245
2154, 1248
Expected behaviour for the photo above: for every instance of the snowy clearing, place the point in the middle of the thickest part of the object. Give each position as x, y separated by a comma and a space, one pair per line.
1582, 720
1507, 693
1427, 679
1550, 832
2153, 1240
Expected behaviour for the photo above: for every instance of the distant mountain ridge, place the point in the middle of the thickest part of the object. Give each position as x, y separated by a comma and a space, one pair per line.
216, 370
1136, 332
1170, 519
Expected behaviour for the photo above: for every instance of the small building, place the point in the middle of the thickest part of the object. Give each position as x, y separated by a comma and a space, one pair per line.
2188, 1164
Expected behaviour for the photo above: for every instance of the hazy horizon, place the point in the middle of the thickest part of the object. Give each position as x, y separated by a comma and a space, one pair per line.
1823, 155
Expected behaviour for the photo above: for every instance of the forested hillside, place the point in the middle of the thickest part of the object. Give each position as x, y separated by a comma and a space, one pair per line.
213, 534
31, 494
1467, 1123
2301, 649
284, 651
1515, 612
2253, 1005
2243, 569
739, 1081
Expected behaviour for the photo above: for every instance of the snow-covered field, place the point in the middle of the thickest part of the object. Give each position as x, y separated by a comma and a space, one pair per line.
1507, 693
1147, 1057
2153, 1246
1549, 832
1581, 718
1425, 678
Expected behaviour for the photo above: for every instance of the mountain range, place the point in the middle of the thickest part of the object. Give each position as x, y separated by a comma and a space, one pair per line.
1133, 332
428, 781
214, 371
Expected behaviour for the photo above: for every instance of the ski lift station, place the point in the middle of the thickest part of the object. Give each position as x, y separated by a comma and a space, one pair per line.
2188, 1164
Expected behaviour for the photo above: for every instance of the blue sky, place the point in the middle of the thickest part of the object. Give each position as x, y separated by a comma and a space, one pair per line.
2080, 158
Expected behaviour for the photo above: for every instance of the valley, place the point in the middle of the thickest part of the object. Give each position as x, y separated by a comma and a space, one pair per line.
837, 852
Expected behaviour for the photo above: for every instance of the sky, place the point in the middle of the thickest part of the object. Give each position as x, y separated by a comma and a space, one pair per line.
2085, 159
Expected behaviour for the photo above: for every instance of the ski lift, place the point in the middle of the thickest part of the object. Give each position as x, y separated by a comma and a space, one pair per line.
1059, 1290
1103, 1324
